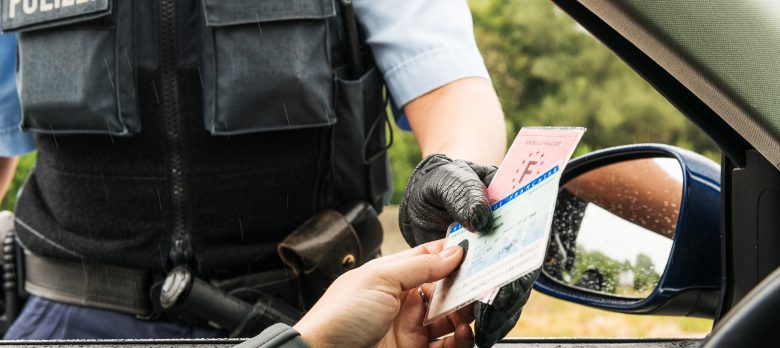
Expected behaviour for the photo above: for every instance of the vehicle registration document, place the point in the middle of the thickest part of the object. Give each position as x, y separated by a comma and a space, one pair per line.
523, 194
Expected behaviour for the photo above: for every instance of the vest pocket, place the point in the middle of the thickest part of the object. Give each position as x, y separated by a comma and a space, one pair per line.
360, 154
75, 68
266, 65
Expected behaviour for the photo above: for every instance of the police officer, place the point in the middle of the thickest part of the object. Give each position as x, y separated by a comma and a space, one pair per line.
199, 134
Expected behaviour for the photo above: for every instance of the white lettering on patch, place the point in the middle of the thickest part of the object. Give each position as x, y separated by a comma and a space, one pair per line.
46, 6
12, 8
30, 7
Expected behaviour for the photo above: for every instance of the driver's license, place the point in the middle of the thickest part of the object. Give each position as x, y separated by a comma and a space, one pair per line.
523, 193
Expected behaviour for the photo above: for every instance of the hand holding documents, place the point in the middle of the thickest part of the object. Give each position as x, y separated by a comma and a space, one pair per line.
523, 194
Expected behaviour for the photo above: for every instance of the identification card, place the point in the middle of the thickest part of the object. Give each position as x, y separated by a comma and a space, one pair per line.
523, 193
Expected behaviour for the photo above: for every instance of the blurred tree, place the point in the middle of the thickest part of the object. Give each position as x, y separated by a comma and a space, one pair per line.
549, 71
595, 271
645, 275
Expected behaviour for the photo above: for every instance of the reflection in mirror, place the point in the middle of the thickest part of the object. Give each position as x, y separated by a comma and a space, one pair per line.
613, 227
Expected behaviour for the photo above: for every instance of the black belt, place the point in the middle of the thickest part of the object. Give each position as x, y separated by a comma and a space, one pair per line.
94, 285
130, 290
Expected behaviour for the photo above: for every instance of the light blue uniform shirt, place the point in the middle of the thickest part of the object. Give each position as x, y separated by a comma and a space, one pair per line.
12, 140
419, 45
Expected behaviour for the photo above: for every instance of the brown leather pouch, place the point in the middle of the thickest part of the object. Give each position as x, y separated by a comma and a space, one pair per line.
329, 244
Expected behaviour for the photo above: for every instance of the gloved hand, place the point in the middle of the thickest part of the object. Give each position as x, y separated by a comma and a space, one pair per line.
441, 191
496, 320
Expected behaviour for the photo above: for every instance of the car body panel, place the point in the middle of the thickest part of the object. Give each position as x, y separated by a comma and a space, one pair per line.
706, 46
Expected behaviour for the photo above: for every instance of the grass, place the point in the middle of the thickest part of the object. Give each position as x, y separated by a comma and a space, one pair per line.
545, 316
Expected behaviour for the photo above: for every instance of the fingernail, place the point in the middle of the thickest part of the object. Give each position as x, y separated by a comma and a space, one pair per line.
450, 252
465, 245
482, 219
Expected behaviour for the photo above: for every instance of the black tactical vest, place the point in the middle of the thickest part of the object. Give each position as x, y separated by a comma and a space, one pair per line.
189, 131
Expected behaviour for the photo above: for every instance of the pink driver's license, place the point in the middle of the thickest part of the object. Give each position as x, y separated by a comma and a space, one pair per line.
534, 151
523, 195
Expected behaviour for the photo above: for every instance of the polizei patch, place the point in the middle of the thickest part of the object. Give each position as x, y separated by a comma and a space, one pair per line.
28, 14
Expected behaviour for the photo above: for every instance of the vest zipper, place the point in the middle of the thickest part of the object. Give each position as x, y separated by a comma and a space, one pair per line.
180, 251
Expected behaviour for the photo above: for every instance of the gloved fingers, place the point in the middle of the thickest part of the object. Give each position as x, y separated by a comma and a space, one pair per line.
405, 224
488, 178
427, 220
494, 321
482, 341
441, 191
485, 173
462, 338
419, 221
462, 194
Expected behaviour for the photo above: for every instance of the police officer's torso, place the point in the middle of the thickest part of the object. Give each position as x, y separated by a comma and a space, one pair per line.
197, 130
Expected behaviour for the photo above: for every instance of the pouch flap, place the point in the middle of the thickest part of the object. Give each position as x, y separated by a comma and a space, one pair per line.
326, 243
21, 15
233, 12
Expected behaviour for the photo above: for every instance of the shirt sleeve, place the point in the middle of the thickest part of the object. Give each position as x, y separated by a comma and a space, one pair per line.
13, 141
420, 45
276, 336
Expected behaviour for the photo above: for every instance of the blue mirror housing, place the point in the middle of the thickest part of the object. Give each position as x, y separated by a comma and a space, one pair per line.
691, 281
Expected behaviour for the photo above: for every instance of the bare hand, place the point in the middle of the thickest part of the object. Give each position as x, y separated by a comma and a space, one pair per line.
378, 304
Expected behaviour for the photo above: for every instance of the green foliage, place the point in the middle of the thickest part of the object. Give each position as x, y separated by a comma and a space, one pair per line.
645, 275
595, 261
587, 263
548, 71
22, 170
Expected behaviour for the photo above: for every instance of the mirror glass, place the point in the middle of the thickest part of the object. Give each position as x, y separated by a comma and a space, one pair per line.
613, 227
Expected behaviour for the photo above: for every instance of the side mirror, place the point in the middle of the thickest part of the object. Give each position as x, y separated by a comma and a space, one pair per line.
637, 230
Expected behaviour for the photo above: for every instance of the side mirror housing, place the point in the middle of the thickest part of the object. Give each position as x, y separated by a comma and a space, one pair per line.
637, 229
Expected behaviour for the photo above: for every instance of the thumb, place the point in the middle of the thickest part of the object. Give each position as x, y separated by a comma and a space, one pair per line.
411, 272
463, 195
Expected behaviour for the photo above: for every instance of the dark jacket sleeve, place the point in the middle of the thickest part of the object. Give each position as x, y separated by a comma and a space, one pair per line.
278, 335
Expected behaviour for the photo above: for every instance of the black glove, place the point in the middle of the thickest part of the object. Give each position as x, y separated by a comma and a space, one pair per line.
441, 191
494, 321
